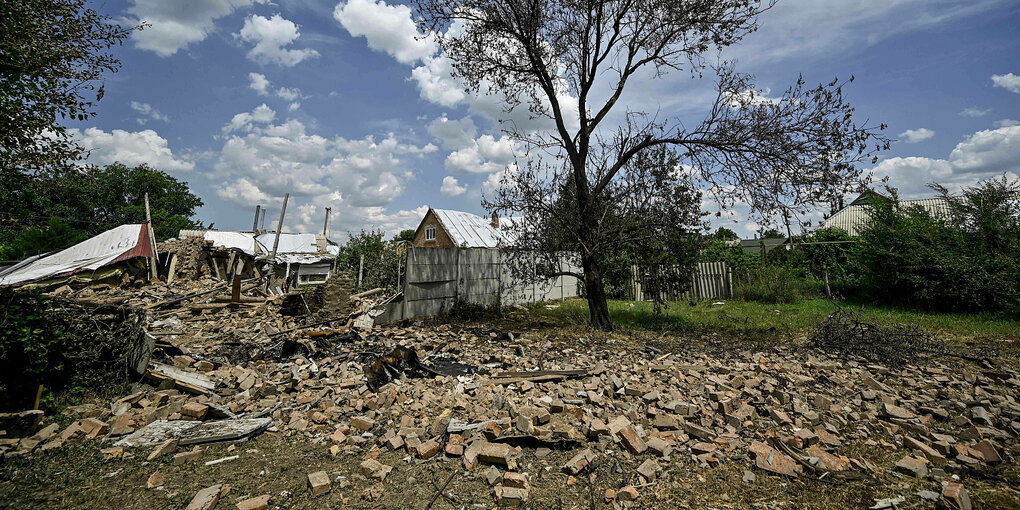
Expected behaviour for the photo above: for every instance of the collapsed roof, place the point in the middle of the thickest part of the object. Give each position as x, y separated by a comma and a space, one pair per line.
115, 245
292, 249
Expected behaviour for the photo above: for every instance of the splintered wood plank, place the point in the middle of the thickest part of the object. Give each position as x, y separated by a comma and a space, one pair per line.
193, 382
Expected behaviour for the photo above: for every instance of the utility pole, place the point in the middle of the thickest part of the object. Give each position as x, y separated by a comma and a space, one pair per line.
152, 238
325, 224
255, 225
262, 222
279, 227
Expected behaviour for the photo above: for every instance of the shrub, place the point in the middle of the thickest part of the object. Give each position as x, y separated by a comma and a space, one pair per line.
772, 284
967, 262
465, 311
60, 345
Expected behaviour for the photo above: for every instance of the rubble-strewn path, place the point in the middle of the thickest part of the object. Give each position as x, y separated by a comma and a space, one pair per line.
604, 421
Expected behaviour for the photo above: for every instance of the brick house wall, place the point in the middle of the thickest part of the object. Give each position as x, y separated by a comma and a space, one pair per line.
442, 239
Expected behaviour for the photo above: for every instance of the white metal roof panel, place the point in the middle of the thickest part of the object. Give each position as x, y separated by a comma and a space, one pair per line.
469, 230
853, 218
298, 248
116, 244
232, 240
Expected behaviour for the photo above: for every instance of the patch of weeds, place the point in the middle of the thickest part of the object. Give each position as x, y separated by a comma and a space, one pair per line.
465, 311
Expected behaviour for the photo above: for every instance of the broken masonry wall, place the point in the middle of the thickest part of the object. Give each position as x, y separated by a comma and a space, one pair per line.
64, 344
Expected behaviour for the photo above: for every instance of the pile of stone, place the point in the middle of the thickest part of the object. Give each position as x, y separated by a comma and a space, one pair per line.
787, 412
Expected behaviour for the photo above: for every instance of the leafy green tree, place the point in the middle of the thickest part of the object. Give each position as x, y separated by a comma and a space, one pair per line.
381, 260
725, 234
117, 196
55, 235
966, 262
53, 53
60, 210
404, 235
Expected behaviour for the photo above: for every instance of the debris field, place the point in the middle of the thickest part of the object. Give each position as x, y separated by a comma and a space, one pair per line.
523, 410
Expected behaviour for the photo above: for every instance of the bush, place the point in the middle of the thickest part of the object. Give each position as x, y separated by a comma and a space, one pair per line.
772, 284
465, 311
967, 262
383, 263
60, 345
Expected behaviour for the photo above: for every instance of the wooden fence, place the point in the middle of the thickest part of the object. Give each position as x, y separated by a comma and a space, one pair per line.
711, 280
435, 278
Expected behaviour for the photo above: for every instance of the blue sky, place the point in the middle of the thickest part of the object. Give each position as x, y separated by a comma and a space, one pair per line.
342, 106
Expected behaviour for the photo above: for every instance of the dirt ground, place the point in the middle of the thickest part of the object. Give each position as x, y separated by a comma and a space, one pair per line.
277, 463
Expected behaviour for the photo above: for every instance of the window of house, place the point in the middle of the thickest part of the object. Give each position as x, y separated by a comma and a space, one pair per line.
430, 233
312, 278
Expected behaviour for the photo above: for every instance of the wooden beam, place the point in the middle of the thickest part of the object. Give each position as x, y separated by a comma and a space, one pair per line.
235, 293
152, 239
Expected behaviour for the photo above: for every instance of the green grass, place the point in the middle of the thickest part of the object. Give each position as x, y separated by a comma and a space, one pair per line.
754, 319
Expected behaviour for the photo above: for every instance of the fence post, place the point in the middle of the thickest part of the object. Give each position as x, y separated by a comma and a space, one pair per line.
729, 278
361, 270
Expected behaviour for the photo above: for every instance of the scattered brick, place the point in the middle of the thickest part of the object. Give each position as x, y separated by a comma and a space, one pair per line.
318, 482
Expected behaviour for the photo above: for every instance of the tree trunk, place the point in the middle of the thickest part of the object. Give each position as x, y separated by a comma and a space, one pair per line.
598, 307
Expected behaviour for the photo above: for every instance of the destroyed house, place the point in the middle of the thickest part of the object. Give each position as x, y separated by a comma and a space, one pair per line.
108, 256
446, 228
305, 259
310, 256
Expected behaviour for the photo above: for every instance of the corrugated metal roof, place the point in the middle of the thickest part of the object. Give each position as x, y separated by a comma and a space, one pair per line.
469, 230
299, 248
853, 218
114, 245
294, 248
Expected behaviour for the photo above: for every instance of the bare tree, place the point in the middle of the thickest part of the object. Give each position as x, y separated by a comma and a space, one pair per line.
570, 61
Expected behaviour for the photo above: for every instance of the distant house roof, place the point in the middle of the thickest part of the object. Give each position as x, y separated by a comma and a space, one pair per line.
754, 246
114, 245
854, 217
469, 230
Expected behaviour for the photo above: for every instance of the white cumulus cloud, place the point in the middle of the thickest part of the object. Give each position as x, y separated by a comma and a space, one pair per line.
242, 121
1010, 82
130, 148
993, 150
270, 37
275, 159
175, 25
387, 28
485, 155
451, 188
916, 135
453, 134
259, 83
979, 156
